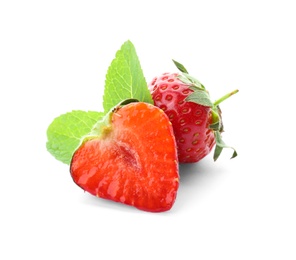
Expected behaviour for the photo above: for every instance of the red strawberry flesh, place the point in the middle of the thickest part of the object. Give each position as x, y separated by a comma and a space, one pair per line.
133, 161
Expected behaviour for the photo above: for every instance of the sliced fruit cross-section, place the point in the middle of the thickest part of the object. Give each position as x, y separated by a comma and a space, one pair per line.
130, 157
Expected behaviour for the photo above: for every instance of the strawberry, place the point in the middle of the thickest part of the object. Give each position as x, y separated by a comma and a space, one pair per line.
196, 121
130, 157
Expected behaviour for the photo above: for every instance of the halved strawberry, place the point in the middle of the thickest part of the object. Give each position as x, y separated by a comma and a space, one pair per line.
130, 157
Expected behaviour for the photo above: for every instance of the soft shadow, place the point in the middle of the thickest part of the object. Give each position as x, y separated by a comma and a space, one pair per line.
196, 180
88, 199
192, 172
100, 203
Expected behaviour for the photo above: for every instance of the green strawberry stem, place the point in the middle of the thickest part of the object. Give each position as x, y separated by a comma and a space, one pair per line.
220, 100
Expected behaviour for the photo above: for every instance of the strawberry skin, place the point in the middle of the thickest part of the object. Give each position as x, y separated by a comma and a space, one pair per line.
196, 121
130, 158
190, 121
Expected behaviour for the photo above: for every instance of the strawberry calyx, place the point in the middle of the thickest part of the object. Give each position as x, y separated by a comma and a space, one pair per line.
217, 126
201, 96
199, 93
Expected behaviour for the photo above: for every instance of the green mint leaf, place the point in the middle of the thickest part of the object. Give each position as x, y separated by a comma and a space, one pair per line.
200, 97
125, 79
65, 132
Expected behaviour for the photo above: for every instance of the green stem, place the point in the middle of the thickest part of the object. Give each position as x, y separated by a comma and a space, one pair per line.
217, 102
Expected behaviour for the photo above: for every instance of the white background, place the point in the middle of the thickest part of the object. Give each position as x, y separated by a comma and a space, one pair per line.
53, 58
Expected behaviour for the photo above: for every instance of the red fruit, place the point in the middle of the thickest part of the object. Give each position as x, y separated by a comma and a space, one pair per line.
196, 121
130, 158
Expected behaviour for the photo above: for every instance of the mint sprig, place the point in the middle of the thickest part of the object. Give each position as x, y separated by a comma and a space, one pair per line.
124, 80
65, 132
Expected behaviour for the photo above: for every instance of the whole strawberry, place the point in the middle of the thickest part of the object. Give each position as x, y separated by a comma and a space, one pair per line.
196, 121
